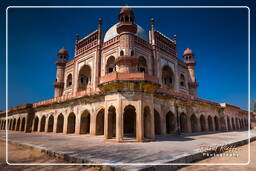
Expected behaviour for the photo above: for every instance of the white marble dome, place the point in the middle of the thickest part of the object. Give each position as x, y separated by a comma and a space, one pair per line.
111, 33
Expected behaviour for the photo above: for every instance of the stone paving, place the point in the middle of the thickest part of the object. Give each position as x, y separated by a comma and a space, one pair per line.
96, 150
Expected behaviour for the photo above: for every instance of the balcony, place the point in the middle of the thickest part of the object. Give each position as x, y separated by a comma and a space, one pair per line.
129, 82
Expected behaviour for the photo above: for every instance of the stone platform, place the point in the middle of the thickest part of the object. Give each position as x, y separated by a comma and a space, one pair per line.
94, 150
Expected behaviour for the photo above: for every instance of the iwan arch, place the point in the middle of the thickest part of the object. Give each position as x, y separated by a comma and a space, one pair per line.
128, 86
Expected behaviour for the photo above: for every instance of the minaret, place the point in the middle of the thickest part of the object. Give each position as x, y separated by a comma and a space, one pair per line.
154, 54
189, 60
126, 28
62, 58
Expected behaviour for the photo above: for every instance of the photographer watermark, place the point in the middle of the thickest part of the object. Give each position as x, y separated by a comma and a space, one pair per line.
217, 150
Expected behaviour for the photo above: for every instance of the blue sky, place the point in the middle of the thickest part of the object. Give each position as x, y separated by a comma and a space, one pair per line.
218, 37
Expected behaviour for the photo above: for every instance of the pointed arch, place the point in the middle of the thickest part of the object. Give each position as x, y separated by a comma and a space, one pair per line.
202, 123
23, 122
170, 122
36, 120
100, 122
85, 121
210, 124
42, 124
84, 77
216, 122
110, 65
183, 123
60, 123
111, 122
18, 125
50, 123
167, 77
129, 121
14, 124
194, 123
71, 123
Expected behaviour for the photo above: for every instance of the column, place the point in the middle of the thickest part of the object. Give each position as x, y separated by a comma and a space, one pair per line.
55, 124
93, 124
77, 126
119, 121
139, 122
65, 127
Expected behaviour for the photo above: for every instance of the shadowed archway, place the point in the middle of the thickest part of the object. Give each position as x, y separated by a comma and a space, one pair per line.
100, 122
42, 125
36, 120
183, 123
210, 124
50, 124
157, 122
85, 122
129, 121
71, 123
60, 123
170, 123
111, 122
202, 123
147, 122
194, 123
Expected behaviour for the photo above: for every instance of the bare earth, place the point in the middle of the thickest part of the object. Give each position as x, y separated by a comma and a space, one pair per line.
20, 154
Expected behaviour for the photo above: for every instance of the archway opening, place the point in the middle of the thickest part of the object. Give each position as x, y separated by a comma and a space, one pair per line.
183, 123
111, 122
14, 124
69, 81
147, 122
100, 122
50, 123
237, 124
23, 124
85, 122
18, 125
42, 125
194, 123
142, 65
129, 121
229, 126
216, 122
202, 123
210, 124
84, 78
71, 123
170, 123
157, 123
10, 126
167, 77
110, 67
36, 124
60, 123
233, 124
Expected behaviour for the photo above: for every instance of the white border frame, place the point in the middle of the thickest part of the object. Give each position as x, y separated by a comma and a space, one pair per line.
126, 164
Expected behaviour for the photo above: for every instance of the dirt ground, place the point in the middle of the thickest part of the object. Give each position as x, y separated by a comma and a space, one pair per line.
26, 155
20, 154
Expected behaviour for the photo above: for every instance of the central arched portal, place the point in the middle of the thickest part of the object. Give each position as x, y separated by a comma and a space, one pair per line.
129, 121
85, 122
111, 122
36, 124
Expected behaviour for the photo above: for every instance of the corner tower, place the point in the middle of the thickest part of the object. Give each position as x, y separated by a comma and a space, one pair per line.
189, 60
126, 28
62, 58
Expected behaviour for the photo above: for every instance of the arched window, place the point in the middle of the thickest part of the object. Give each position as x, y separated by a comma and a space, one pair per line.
69, 80
142, 65
84, 78
167, 77
182, 80
110, 67
121, 53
